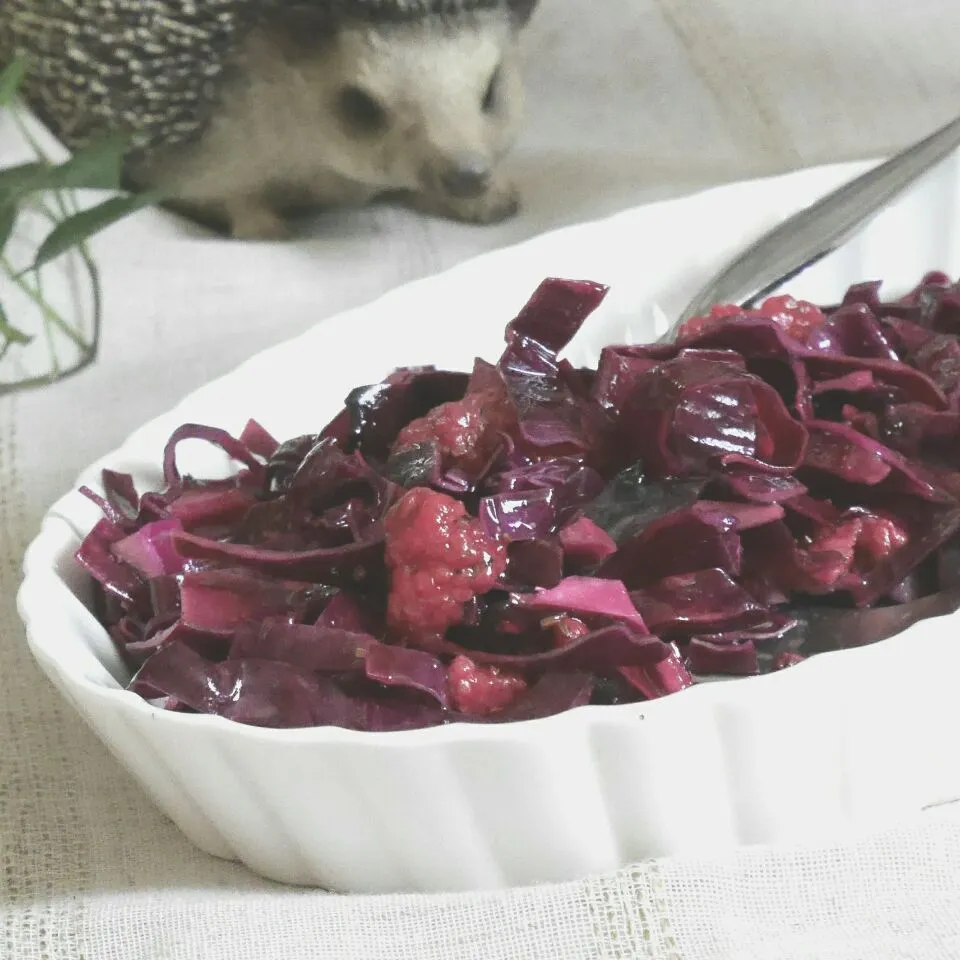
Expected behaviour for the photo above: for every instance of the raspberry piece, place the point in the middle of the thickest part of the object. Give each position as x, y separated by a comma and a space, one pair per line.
799, 318
697, 325
787, 659
463, 430
481, 690
720, 310
879, 537
439, 559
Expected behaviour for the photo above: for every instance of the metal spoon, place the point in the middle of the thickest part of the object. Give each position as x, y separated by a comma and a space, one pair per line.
786, 251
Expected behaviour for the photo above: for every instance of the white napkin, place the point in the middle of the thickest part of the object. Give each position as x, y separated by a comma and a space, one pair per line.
635, 101
896, 897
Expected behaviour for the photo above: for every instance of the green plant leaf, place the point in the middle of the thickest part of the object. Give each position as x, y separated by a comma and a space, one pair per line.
16, 182
10, 333
99, 166
10, 79
85, 224
8, 217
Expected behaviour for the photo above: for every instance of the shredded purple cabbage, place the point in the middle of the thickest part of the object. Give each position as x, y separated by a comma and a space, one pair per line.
531, 537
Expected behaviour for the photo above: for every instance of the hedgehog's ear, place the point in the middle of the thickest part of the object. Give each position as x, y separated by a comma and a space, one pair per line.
521, 11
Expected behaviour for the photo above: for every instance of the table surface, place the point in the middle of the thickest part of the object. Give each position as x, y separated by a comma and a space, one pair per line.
644, 100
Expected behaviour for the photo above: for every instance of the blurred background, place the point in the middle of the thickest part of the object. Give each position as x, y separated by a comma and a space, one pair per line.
647, 98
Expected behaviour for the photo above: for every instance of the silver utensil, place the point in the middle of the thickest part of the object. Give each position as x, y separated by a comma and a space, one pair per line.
823, 629
799, 242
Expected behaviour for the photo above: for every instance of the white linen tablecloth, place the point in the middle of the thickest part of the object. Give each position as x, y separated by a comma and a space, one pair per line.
636, 100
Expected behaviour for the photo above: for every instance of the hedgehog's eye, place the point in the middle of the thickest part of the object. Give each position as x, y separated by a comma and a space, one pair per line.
492, 93
360, 111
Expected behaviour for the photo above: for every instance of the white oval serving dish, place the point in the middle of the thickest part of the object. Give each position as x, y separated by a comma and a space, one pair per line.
834, 745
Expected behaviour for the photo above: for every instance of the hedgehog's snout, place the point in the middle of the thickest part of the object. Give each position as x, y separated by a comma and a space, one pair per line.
466, 176
461, 176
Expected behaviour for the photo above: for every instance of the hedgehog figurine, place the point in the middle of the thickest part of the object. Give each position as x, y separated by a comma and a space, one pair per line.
245, 112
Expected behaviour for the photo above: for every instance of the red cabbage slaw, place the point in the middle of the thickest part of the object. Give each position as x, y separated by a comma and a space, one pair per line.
531, 537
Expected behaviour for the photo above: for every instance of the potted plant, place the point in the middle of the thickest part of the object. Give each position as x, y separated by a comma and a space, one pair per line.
50, 298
